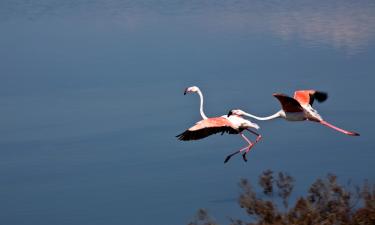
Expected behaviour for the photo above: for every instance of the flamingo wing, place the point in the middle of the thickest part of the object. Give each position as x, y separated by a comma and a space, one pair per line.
288, 104
305, 97
207, 127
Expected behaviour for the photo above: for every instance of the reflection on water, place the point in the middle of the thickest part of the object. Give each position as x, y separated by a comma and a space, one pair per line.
348, 25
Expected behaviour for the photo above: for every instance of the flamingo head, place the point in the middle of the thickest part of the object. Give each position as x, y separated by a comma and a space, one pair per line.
191, 89
236, 112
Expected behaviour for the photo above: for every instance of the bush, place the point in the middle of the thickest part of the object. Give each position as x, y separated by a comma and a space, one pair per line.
326, 203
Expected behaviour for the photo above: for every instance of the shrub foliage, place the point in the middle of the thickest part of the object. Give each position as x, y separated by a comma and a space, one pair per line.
326, 203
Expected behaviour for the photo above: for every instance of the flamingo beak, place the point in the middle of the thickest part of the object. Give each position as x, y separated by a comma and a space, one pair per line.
230, 113
186, 90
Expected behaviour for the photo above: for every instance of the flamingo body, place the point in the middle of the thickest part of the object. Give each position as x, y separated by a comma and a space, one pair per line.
298, 108
224, 124
303, 100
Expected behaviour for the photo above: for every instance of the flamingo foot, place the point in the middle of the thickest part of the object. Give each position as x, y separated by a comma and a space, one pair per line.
227, 158
234, 153
230, 156
244, 157
247, 150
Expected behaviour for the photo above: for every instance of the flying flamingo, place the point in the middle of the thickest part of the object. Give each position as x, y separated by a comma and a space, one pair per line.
298, 108
223, 124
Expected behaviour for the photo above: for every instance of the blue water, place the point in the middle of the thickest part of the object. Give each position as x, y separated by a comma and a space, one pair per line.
91, 98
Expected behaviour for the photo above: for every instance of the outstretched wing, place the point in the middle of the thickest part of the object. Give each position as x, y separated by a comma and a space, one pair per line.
207, 127
305, 97
288, 104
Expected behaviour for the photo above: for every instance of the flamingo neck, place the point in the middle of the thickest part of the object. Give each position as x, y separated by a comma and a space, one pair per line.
274, 116
201, 105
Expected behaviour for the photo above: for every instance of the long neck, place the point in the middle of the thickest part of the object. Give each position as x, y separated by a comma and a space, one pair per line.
274, 116
201, 105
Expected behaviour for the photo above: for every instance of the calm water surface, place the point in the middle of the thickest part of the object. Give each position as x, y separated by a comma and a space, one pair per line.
91, 99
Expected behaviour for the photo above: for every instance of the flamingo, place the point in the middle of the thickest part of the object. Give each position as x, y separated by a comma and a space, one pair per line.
298, 108
224, 124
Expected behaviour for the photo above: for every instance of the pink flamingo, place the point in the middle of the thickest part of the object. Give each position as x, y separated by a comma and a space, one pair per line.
298, 108
223, 124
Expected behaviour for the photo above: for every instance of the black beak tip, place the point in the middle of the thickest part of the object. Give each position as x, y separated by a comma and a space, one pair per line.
230, 113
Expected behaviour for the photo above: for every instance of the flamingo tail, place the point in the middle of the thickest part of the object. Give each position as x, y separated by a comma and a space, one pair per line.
325, 123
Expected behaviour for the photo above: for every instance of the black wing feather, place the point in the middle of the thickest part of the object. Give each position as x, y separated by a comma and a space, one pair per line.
205, 132
319, 96
288, 104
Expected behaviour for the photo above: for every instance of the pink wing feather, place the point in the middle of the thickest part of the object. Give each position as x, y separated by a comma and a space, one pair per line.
207, 127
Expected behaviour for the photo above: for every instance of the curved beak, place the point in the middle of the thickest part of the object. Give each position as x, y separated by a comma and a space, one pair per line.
185, 91
230, 113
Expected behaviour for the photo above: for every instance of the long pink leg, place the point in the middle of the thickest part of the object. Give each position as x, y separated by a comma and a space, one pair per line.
325, 123
256, 141
241, 150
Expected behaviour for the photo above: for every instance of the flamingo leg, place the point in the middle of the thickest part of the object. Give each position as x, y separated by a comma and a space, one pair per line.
235, 153
241, 150
249, 148
325, 123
